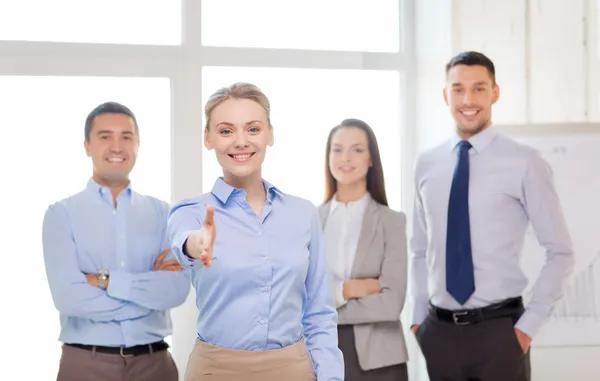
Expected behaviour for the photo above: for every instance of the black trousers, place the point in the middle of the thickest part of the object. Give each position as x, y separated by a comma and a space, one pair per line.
485, 351
354, 372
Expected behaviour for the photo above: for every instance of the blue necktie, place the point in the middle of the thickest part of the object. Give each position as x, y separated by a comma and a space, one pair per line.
460, 281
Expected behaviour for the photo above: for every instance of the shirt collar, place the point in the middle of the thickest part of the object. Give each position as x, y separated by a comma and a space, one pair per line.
98, 190
359, 205
478, 141
224, 191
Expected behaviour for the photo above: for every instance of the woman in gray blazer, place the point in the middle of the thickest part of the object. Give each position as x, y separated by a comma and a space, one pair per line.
366, 248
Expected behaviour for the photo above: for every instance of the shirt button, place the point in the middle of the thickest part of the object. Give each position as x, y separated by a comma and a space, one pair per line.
122, 263
265, 257
265, 289
259, 232
262, 321
114, 212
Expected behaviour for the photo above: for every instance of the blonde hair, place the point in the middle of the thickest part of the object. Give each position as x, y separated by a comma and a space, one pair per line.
239, 90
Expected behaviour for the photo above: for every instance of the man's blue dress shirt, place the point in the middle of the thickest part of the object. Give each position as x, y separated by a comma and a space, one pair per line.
85, 233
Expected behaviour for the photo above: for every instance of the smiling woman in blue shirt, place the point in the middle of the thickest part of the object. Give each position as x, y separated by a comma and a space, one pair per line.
260, 271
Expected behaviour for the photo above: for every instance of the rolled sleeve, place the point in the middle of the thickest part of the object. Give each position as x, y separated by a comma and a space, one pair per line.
184, 219
120, 285
177, 248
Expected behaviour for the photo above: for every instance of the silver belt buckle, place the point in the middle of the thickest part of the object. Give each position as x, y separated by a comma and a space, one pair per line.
123, 354
455, 316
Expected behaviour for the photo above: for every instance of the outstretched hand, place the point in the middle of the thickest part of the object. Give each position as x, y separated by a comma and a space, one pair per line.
199, 244
209, 234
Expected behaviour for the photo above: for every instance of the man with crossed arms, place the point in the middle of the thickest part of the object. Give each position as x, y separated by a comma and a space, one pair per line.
111, 274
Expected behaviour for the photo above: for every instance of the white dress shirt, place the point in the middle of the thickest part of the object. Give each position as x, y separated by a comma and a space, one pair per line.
510, 186
341, 238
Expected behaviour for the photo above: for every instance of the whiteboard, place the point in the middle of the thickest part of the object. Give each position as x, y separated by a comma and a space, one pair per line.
575, 162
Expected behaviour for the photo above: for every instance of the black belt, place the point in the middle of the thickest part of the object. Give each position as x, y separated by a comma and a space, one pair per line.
508, 308
125, 351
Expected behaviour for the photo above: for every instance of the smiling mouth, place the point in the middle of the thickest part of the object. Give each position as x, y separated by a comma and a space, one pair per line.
470, 113
241, 156
116, 160
346, 169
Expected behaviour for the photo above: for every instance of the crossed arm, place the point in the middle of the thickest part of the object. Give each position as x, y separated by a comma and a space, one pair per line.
129, 295
376, 300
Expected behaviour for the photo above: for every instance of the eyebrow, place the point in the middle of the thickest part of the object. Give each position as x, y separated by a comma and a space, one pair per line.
480, 83
110, 132
232, 125
353, 145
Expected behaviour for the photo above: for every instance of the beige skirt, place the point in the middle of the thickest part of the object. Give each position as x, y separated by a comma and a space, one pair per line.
209, 362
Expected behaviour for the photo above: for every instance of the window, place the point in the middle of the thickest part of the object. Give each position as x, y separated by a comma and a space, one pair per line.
107, 21
352, 25
43, 161
77, 61
306, 104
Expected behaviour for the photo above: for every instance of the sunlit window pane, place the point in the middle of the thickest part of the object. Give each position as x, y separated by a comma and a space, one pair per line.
42, 161
350, 25
306, 104
155, 22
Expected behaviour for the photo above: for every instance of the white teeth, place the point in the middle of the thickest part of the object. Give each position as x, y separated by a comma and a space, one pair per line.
246, 156
116, 160
469, 113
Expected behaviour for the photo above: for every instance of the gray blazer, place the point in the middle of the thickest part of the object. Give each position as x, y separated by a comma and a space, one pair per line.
381, 253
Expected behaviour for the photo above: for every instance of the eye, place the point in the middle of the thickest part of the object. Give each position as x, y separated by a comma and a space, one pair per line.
226, 132
254, 130
103, 137
359, 150
457, 90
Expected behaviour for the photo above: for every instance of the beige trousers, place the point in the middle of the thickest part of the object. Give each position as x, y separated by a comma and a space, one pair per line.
209, 362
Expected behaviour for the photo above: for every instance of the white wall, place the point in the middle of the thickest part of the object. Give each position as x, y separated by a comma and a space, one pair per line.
548, 68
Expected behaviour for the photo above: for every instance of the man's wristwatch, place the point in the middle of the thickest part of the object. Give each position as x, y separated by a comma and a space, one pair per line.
102, 278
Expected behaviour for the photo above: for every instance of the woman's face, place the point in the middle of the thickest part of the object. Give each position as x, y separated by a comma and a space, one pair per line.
349, 156
239, 133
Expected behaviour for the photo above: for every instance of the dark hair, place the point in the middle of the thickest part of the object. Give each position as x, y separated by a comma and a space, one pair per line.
375, 180
107, 108
473, 59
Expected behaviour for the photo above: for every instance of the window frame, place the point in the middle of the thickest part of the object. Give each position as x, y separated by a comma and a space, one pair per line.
183, 66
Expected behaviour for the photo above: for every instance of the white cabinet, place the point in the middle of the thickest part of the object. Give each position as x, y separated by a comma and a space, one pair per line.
593, 84
558, 75
497, 29
546, 53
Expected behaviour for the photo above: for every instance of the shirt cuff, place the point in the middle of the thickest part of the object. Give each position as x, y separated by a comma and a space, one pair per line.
529, 323
120, 285
177, 248
419, 312
339, 295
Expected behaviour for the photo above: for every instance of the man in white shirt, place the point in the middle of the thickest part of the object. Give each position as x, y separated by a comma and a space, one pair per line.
475, 196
